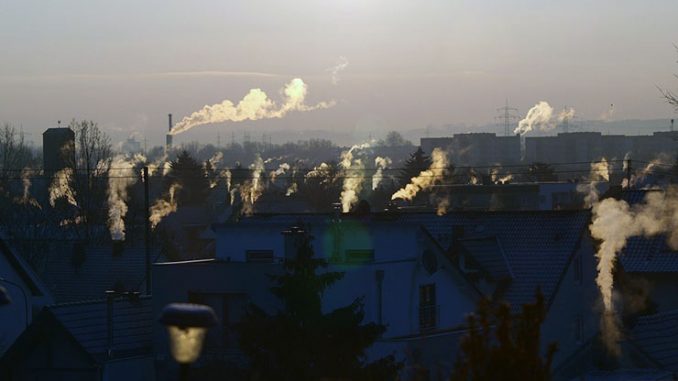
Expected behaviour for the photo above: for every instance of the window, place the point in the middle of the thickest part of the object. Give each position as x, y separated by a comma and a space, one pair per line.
428, 309
260, 256
359, 256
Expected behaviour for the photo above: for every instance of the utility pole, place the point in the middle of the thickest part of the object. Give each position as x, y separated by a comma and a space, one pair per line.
506, 116
147, 236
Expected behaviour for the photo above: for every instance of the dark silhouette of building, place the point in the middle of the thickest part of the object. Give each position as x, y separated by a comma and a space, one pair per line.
58, 149
477, 149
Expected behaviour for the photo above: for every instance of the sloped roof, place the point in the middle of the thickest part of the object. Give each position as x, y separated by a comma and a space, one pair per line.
657, 336
538, 245
100, 271
489, 255
87, 322
23, 269
647, 255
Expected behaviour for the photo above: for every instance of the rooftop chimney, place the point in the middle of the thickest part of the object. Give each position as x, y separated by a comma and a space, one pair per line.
168, 137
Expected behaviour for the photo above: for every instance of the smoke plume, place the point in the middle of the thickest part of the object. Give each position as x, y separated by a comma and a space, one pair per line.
381, 163
164, 207
121, 175
254, 106
61, 187
26, 197
614, 222
340, 66
539, 116
607, 115
252, 189
353, 172
600, 172
566, 114
426, 179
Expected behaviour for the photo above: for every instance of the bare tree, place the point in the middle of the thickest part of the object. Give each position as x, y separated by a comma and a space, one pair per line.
92, 146
670, 96
93, 151
14, 154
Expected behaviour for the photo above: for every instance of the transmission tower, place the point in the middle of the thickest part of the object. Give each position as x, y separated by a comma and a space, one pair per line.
507, 116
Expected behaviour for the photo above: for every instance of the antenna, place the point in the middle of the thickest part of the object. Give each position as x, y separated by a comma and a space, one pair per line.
507, 116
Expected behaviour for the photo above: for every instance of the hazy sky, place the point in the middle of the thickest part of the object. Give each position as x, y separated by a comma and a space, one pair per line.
126, 64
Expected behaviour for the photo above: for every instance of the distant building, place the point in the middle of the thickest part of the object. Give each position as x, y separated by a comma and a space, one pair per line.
477, 149
577, 147
58, 149
131, 145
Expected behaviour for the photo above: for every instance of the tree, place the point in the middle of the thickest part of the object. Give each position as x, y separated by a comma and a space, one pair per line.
93, 156
14, 153
670, 96
300, 342
190, 175
417, 163
92, 147
394, 139
500, 346
542, 172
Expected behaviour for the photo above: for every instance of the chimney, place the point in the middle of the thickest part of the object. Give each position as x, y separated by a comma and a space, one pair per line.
293, 237
671, 125
168, 137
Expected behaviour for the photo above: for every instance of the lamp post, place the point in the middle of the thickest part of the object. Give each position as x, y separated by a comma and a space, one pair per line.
187, 325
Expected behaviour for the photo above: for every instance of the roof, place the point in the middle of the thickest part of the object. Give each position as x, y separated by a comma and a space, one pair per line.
489, 255
647, 254
87, 322
626, 375
536, 245
657, 336
100, 271
23, 269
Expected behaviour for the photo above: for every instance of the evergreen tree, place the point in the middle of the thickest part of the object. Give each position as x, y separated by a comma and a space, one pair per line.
190, 175
417, 163
300, 342
500, 346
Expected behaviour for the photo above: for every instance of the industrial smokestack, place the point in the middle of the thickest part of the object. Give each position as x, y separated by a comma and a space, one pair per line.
168, 137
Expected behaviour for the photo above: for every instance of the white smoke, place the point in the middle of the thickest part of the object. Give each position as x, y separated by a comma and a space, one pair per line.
613, 223
254, 106
336, 69
26, 197
164, 207
282, 169
600, 172
427, 178
252, 189
566, 114
291, 190
61, 187
498, 178
322, 171
381, 163
121, 175
607, 115
539, 116
353, 173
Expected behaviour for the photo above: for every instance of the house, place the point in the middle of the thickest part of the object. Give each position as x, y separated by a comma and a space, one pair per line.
105, 339
419, 274
24, 287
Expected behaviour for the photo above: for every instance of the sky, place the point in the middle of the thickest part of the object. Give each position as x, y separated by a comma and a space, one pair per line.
127, 64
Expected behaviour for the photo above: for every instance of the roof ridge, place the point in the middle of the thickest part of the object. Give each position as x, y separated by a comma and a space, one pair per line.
93, 301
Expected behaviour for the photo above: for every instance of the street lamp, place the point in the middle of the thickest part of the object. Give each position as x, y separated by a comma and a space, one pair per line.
187, 325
